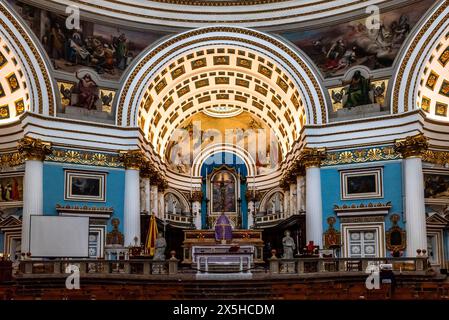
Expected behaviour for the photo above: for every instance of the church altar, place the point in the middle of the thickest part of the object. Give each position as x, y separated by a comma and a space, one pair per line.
203, 243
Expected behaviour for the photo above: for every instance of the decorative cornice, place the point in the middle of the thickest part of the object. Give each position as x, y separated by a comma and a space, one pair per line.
84, 209
363, 207
436, 157
412, 146
312, 157
133, 159
196, 196
34, 149
84, 158
361, 155
12, 159
147, 170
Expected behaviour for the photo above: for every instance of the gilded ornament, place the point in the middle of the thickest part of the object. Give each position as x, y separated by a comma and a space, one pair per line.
412, 146
312, 157
34, 149
133, 159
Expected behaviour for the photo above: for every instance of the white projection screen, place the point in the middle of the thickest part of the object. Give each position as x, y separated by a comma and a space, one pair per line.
55, 236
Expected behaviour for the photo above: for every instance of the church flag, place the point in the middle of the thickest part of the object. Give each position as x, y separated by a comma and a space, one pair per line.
151, 237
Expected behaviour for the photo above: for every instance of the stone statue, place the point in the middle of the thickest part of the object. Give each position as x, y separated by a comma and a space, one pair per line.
289, 245
302, 195
273, 205
160, 246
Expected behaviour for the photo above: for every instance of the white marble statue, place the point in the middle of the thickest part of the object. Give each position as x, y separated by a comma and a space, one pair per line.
289, 245
160, 246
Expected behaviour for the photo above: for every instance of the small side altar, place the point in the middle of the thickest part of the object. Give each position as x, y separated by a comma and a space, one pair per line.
201, 242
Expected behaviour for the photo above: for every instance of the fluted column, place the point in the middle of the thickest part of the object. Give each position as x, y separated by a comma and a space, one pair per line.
412, 149
286, 203
154, 200
34, 152
145, 174
132, 160
311, 158
300, 192
293, 200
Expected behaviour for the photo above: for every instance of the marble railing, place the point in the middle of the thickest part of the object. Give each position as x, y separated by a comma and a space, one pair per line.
178, 218
100, 267
345, 265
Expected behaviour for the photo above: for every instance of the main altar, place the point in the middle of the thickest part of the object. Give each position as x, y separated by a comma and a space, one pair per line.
203, 242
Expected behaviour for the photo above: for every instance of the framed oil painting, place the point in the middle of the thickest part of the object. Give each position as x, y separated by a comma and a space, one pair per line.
224, 192
361, 184
11, 189
85, 186
436, 186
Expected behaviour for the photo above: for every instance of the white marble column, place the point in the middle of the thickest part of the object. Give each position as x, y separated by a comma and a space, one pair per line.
286, 203
300, 193
415, 217
293, 199
197, 214
251, 216
33, 195
132, 161
161, 205
34, 152
154, 200
314, 207
147, 188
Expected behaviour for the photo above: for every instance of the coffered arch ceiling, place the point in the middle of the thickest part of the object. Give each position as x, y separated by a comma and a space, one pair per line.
433, 90
14, 93
25, 83
221, 70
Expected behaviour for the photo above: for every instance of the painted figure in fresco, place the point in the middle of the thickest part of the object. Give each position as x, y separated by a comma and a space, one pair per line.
357, 92
289, 245
121, 50
160, 246
57, 40
88, 92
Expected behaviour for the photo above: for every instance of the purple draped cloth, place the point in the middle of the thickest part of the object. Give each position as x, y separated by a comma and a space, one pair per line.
223, 229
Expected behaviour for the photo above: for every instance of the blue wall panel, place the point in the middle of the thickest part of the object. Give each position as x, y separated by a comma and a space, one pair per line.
54, 189
392, 191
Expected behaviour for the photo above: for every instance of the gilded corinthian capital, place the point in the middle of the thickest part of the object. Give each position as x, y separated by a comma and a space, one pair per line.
133, 159
312, 157
412, 146
34, 149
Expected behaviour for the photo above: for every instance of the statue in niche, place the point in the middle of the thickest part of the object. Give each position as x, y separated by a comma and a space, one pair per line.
289, 245
160, 246
88, 92
357, 91
115, 237
273, 205
174, 204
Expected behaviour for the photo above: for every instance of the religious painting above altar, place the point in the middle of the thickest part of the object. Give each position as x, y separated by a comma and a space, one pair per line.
203, 131
224, 192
